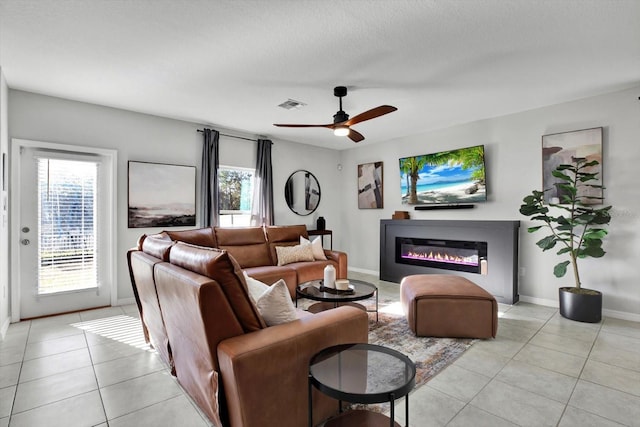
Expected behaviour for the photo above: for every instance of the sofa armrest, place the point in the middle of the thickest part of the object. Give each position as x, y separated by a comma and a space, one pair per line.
265, 373
341, 259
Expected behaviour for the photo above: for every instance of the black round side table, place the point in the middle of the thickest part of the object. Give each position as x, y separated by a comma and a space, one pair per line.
362, 373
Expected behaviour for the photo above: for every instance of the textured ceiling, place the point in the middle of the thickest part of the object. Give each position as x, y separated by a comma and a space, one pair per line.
230, 63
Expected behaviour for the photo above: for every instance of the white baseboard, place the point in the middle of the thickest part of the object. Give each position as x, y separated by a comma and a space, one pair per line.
539, 301
363, 271
623, 315
126, 301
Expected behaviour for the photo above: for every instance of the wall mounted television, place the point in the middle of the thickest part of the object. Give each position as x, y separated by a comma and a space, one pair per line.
444, 178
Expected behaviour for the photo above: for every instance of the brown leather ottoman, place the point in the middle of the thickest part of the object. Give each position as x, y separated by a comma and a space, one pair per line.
439, 305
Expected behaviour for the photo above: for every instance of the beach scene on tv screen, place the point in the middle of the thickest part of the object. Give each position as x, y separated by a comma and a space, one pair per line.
446, 177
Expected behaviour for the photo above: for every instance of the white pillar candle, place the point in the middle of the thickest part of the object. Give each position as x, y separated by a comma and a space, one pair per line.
329, 276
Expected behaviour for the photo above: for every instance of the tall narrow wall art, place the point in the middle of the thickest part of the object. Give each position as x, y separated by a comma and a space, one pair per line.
370, 194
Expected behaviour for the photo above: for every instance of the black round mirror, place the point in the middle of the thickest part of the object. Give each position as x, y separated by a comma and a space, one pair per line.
302, 192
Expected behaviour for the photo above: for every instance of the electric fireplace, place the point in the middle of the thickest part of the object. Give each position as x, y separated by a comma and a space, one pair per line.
457, 255
500, 254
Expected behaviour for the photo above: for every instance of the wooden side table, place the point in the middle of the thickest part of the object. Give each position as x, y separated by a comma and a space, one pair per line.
322, 233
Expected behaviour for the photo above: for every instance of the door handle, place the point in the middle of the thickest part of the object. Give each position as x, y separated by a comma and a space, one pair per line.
25, 241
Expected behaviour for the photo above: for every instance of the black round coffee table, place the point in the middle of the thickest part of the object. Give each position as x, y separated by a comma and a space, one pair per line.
361, 290
362, 373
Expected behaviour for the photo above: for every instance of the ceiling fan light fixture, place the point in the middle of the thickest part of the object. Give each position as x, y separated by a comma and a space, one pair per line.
341, 125
341, 130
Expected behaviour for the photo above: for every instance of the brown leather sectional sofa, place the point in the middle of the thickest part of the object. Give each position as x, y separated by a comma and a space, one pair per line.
197, 313
254, 248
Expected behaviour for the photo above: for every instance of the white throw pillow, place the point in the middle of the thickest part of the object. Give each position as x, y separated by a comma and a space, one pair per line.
275, 305
316, 247
288, 254
256, 288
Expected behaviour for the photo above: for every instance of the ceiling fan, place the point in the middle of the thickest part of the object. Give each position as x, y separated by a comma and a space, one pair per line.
341, 123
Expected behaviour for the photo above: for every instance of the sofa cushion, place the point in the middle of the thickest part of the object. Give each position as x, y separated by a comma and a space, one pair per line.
221, 267
289, 254
198, 237
316, 247
157, 245
275, 305
283, 235
248, 245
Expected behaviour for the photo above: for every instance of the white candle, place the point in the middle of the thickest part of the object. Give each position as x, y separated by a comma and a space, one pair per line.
329, 276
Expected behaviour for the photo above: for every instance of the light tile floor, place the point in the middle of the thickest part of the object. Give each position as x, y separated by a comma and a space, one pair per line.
93, 369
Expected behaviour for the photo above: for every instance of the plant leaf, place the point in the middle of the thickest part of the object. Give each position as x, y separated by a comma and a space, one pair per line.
592, 251
595, 234
561, 269
560, 175
547, 243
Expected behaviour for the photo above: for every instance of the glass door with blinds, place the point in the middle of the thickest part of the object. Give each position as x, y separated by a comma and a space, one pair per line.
60, 234
67, 224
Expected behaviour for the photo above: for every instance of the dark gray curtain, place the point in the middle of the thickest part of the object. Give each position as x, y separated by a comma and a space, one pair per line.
262, 206
209, 179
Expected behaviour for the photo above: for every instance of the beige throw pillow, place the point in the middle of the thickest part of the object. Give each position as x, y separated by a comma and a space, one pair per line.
275, 304
316, 247
288, 254
256, 287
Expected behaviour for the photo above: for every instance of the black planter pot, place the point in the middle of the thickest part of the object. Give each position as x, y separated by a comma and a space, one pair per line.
582, 307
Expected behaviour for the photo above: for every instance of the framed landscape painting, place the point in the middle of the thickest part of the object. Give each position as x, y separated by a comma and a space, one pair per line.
560, 148
161, 195
370, 186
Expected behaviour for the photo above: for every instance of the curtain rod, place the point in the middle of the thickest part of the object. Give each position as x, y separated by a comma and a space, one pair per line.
232, 136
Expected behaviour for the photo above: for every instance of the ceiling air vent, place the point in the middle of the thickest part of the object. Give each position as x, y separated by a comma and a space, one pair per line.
290, 104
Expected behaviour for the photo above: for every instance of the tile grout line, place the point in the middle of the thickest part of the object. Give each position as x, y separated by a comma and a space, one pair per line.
601, 385
95, 376
586, 360
15, 394
493, 378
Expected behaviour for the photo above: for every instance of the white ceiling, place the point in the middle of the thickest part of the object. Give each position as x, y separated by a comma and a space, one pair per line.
230, 63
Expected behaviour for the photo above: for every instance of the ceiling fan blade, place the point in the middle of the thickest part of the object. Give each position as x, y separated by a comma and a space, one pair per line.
371, 114
355, 135
303, 126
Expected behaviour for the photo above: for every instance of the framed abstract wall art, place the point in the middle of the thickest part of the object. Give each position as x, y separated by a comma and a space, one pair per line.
560, 148
161, 195
370, 195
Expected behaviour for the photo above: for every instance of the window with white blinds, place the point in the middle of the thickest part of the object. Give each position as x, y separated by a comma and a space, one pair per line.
67, 251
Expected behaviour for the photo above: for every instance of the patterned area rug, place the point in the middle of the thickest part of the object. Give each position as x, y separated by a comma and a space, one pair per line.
431, 355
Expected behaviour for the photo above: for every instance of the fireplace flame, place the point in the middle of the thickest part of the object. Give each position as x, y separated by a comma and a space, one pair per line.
442, 257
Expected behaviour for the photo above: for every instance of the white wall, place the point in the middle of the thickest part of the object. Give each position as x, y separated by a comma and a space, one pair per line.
149, 138
514, 164
4, 209
513, 145
289, 157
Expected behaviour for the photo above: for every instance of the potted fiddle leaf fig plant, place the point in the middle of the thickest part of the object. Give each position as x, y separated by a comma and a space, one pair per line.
578, 230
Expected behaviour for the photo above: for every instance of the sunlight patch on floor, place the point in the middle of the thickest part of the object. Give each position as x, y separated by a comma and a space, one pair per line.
394, 308
124, 329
